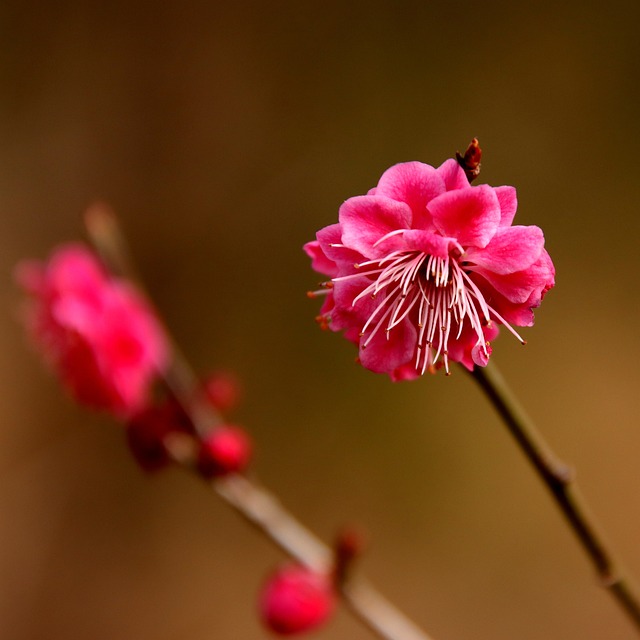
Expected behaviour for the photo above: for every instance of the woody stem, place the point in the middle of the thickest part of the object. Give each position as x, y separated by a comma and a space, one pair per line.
559, 480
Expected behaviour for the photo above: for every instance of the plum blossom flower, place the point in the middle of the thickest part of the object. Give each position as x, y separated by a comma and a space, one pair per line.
97, 332
425, 267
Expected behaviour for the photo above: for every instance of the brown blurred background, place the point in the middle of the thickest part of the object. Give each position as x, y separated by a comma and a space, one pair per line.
225, 133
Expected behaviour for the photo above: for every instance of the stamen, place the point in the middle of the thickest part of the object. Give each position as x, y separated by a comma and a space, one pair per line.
388, 235
318, 293
436, 292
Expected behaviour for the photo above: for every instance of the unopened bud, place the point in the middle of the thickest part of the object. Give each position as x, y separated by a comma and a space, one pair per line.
227, 449
296, 599
223, 390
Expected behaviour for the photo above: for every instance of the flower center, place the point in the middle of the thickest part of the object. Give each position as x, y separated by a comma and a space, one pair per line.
435, 294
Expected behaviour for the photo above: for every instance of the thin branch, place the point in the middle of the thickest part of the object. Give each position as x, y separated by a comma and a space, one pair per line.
255, 504
559, 479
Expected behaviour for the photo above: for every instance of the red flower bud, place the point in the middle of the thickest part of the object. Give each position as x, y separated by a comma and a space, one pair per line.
296, 599
225, 450
222, 390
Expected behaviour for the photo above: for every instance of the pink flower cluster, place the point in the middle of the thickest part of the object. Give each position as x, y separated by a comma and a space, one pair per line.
97, 331
425, 266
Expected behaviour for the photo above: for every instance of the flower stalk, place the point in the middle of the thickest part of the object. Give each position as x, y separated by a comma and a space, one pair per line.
252, 502
560, 481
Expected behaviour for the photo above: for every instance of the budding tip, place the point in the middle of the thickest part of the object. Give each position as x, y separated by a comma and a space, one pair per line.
225, 450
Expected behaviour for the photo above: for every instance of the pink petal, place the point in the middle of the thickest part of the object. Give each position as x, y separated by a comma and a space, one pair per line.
462, 350
74, 269
405, 372
330, 239
319, 261
344, 314
470, 215
366, 219
508, 204
453, 175
518, 315
416, 184
480, 354
511, 249
431, 243
518, 287
384, 355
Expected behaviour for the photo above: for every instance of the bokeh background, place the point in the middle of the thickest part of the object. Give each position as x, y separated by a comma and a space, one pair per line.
225, 133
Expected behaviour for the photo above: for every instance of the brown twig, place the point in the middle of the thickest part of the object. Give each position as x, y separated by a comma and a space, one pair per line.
254, 503
559, 479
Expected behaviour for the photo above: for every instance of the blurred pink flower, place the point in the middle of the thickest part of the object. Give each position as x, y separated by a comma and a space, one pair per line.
424, 267
96, 331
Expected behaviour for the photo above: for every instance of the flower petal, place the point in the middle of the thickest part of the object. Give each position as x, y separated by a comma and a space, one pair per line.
453, 175
319, 261
518, 287
470, 215
432, 243
462, 349
405, 372
508, 204
328, 254
511, 249
388, 352
416, 184
366, 219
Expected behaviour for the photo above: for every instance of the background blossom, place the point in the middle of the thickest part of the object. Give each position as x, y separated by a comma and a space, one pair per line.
97, 332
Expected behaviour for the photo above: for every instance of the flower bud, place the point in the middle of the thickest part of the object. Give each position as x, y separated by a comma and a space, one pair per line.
296, 599
223, 390
225, 450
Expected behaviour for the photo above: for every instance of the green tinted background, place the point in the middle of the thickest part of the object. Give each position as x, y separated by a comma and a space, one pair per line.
224, 134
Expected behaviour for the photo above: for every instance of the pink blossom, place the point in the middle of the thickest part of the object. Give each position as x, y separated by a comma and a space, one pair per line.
425, 267
97, 332
296, 599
